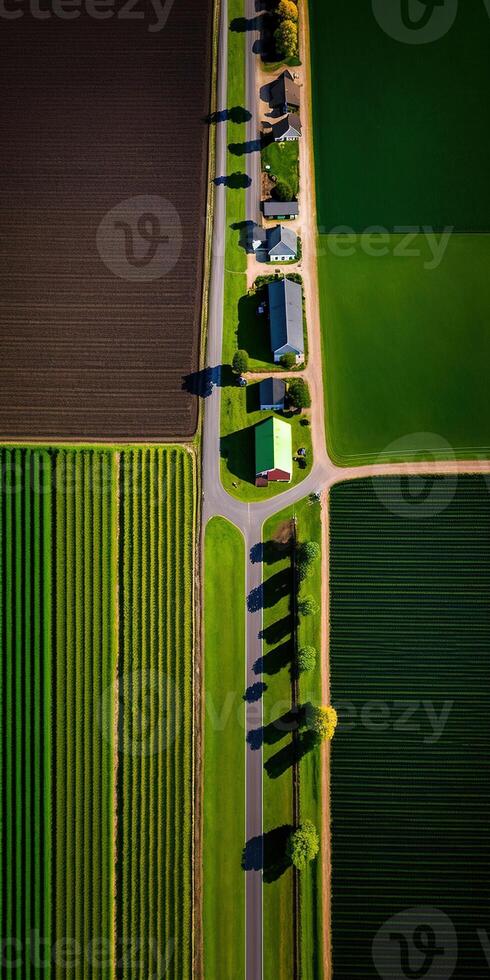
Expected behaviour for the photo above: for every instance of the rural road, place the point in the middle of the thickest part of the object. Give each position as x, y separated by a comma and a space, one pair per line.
249, 518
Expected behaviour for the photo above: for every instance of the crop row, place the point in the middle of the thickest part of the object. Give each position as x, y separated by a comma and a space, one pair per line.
155, 711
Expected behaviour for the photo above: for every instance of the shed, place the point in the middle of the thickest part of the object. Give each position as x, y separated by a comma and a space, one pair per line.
288, 129
286, 319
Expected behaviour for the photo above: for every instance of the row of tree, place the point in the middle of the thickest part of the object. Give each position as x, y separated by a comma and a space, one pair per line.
303, 844
286, 32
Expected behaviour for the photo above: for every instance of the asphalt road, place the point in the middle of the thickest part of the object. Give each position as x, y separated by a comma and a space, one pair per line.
249, 518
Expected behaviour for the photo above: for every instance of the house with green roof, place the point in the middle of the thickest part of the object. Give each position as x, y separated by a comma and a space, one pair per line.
273, 452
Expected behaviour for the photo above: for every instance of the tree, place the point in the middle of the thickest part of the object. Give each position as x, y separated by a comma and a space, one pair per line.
299, 393
287, 10
307, 553
303, 845
306, 659
286, 38
240, 362
283, 191
288, 361
307, 606
322, 722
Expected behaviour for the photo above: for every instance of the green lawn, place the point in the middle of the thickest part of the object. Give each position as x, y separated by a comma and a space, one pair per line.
239, 415
283, 159
410, 659
277, 647
400, 133
235, 285
405, 350
224, 775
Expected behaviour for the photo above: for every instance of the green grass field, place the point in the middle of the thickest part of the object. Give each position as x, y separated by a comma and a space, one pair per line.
224, 744
278, 791
239, 415
283, 159
399, 130
405, 349
409, 658
96, 551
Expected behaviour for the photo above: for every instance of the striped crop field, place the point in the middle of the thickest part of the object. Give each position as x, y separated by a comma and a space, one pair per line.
410, 677
155, 712
96, 550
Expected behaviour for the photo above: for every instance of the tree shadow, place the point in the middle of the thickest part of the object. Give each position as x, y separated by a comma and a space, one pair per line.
240, 25
292, 753
201, 383
235, 181
276, 730
268, 853
255, 599
277, 587
250, 146
275, 660
237, 114
276, 631
254, 692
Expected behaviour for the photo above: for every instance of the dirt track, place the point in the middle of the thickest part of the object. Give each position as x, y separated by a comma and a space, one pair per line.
94, 112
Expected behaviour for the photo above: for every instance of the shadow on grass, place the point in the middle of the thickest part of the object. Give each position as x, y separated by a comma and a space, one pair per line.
276, 730
238, 450
237, 114
245, 228
269, 552
276, 631
250, 146
275, 660
240, 25
267, 853
253, 398
253, 328
271, 592
283, 760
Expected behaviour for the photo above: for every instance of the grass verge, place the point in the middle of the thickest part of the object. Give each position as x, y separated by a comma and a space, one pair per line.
224, 778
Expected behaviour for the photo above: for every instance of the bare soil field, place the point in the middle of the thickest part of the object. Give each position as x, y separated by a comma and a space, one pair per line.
95, 113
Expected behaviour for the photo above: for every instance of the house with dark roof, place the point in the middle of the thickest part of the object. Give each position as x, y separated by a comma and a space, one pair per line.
284, 94
286, 319
282, 244
273, 452
272, 393
280, 210
286, 130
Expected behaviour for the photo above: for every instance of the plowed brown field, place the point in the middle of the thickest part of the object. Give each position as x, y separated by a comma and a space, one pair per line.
92, 113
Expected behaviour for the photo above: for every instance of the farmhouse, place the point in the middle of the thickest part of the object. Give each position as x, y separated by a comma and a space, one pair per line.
282, 244
286, 319
272, 392
273, 452
286, 130
280, 210
285, 94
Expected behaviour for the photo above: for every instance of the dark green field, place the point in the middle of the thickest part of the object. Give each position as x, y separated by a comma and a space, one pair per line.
410, 800
400, 131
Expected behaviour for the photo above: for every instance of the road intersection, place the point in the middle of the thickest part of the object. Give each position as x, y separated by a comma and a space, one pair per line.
250, 517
